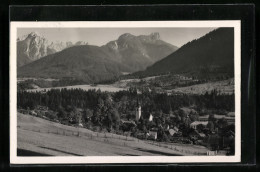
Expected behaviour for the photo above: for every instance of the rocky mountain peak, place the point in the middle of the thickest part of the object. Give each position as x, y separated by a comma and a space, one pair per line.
126, 36
155, 36
81, 43
33, 34
34, 46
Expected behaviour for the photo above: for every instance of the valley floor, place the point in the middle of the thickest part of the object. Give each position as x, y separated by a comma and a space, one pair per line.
223, 86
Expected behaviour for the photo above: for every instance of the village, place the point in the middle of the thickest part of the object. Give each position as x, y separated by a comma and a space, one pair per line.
216, 132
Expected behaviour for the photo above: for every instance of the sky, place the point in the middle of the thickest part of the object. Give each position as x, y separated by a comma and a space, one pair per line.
101, 36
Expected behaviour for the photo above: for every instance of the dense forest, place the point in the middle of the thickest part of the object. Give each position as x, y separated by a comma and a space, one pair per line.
125, 101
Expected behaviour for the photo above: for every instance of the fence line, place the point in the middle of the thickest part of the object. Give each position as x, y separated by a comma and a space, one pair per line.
176, 149
66, 132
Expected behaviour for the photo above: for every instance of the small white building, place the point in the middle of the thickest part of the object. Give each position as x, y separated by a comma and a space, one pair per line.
174, 130
196, 123
153, 133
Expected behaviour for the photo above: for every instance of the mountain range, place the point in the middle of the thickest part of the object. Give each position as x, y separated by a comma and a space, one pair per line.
139, 52
211, 56
33, 46
90, 63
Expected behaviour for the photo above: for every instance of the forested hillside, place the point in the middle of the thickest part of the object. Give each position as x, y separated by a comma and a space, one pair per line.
211, 56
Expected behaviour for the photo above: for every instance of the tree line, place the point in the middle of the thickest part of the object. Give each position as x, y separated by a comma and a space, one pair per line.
125, 100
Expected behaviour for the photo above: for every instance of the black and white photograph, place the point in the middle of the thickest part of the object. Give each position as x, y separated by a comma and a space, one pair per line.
125, 92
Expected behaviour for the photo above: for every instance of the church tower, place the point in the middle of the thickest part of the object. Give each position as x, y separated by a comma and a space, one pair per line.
138, 111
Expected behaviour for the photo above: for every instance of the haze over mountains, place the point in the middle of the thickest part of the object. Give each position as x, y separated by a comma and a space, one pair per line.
210, 56
91, 64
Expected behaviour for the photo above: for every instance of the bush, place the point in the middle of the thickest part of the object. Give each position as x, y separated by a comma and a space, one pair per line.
96, 128
51, 115
165, 138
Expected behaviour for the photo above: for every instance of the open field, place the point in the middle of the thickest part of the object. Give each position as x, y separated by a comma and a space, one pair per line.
225, 87
37, 136
25, 79
124, 82
108, 88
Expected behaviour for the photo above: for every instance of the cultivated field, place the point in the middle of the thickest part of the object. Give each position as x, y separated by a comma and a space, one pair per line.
226, 87
37, 136
123, 83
